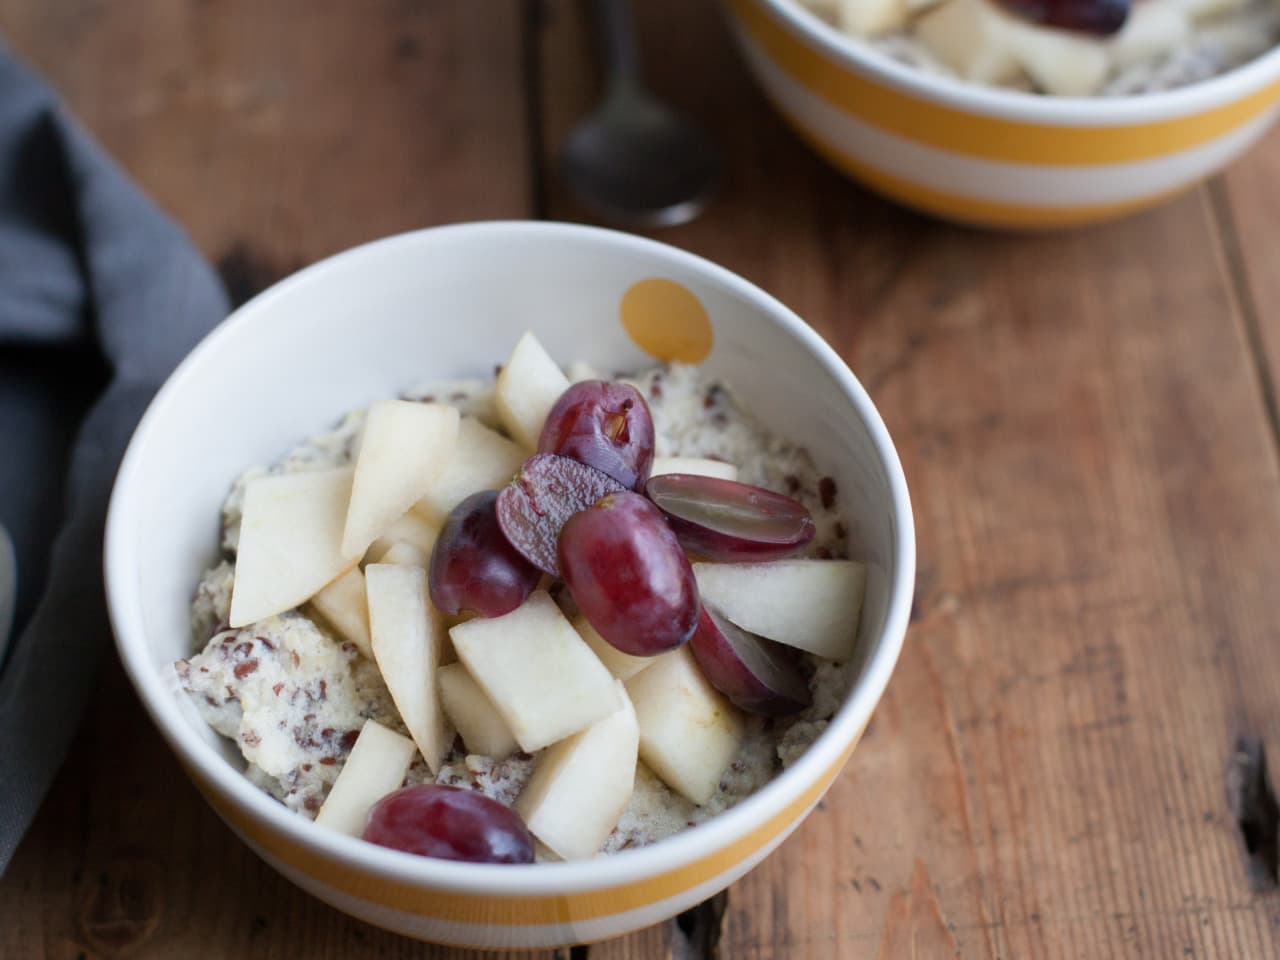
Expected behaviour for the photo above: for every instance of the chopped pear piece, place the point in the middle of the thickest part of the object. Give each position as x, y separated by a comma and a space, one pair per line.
1153, 27
539, 673
581, 785
871, 18
406, 446
1207, 9
411, 528
580, 370
290, 541
1060, 63
621, 665
408, 634
478, 721
528, 387
973, 38
376, 766
810, 604
344, 604
689, 733
698, 466
483, 460
401, 552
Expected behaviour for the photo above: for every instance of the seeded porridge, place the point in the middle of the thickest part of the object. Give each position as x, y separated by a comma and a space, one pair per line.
1091, 48
293, 693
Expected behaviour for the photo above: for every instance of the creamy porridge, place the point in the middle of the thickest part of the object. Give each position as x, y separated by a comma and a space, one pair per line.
294, 689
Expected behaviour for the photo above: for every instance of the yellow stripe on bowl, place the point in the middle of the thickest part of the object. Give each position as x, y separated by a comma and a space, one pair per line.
422, 900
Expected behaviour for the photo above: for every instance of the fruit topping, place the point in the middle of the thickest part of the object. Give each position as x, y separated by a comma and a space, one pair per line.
727, 520
628, 575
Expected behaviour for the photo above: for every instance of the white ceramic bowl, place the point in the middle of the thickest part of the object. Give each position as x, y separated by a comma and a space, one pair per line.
445, 303
990, 156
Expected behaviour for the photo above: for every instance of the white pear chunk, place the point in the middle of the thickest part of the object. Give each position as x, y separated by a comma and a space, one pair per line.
871, 18
580, 370
401, 552
689, 733
581, 785
406, 446
375, 767
528, 387
698, 466
973, 38
478, 721
1207, 9
483, 460
539, 673
411, 528
290, 541
1059, 62
810, 604
1153, 27
408, 634
344, 604
621, 665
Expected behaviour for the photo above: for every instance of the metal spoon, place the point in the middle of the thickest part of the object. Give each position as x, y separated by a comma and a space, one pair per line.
636, 160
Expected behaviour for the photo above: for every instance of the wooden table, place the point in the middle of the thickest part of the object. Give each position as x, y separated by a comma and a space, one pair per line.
1088, 423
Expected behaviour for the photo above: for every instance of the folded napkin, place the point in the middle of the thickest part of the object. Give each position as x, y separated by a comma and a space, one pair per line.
100, 297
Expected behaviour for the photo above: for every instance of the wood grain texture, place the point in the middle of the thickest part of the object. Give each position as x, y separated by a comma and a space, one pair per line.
1092, 469
1082, 418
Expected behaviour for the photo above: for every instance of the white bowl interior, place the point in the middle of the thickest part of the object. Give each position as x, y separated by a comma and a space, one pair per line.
444, 304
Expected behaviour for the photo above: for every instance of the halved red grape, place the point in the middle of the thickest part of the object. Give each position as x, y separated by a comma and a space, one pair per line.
449, 823
758, 675
604, 425
628, 575
1098, 17
473, 567
548, 491
730, 521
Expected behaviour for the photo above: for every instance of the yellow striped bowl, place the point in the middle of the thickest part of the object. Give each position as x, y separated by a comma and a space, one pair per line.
449, 303
993, 157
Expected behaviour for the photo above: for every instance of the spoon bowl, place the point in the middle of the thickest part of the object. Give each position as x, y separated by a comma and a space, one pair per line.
635, 160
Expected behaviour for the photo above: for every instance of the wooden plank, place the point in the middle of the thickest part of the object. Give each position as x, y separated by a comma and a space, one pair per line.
1097, 512
1247, 209
278, 133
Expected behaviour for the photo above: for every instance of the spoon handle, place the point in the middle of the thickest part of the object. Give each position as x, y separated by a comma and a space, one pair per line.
618, 48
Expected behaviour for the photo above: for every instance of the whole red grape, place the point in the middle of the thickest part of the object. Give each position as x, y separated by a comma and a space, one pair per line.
473, 567
449, 823
604, 425
628, 575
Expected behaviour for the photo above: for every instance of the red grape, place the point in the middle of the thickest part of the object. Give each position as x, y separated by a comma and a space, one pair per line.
758, 675
604, 425
730, 521
628, 575
449, 823
1098, 17
548, 490
473, 567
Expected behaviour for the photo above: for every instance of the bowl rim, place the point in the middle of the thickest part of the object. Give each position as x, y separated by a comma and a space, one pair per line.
1020, 105
543, 879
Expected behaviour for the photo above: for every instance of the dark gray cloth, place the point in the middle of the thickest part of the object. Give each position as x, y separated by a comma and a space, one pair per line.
100, 296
